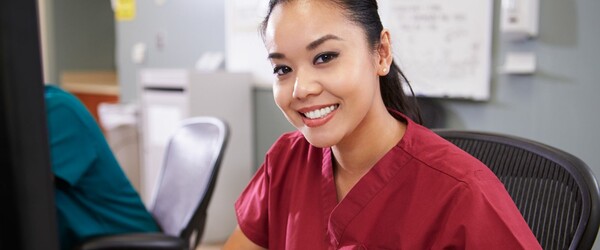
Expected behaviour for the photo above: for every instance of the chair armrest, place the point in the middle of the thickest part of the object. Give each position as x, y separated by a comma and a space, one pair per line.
146, 241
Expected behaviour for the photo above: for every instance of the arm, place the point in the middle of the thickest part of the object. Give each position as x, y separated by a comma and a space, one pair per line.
72, 148
238, 240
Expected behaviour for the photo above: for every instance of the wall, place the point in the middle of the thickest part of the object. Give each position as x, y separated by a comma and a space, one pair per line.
77, 35
557, 105
175, 33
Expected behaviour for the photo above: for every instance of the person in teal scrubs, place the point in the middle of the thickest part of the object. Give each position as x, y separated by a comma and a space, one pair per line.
93, 195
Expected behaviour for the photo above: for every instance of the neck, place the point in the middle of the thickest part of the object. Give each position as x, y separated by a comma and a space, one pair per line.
372, 139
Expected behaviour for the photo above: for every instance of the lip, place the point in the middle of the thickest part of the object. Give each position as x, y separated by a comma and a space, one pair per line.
311, 108
319, 121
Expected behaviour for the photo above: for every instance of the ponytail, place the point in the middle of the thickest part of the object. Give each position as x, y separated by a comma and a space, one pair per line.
394, 97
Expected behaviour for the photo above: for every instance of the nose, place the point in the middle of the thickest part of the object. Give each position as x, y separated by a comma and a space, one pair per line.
305, 86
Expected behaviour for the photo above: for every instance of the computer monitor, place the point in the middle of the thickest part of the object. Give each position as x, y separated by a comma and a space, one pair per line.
27, 212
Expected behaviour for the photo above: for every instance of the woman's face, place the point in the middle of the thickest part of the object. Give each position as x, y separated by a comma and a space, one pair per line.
327, 74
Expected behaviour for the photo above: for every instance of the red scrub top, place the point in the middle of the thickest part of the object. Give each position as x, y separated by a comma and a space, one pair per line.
425, 193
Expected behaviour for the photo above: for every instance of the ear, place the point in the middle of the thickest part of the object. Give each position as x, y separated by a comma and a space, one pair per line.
384, 52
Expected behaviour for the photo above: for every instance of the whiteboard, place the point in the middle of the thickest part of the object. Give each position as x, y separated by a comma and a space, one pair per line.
442, 46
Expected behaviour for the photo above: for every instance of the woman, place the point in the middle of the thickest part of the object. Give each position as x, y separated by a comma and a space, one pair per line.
359, 173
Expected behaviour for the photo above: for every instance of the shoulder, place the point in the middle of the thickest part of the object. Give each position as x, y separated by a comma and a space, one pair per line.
56, 96
63, 109
60, 102
439, 155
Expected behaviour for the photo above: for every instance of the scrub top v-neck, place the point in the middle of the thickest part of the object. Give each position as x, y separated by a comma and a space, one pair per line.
340, 215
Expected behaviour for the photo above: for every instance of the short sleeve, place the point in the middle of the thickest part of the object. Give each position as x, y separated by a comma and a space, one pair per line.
252, 208
72, 150
485, 217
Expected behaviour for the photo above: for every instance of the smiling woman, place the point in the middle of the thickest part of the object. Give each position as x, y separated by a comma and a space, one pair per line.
360, 173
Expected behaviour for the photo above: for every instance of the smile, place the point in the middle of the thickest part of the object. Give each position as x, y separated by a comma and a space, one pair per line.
320, 113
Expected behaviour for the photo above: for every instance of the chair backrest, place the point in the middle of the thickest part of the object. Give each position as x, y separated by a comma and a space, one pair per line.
555, 191
191, 165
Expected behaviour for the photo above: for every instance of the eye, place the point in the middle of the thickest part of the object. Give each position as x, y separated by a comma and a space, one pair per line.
325, 57
281, 70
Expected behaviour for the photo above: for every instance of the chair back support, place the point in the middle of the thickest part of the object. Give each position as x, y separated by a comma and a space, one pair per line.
555, 191
191, 165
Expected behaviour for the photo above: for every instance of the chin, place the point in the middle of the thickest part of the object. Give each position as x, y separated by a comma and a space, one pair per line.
320, 140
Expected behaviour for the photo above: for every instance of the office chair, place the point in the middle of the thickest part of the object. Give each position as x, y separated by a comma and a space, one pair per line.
191, 165
555, 191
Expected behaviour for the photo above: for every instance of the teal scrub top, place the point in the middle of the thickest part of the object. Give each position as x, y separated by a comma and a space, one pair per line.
93, 195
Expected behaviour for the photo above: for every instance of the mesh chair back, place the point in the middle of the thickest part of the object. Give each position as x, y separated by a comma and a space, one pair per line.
191, 165
555, 191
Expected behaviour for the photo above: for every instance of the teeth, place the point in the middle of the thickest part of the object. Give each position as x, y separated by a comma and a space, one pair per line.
320, 113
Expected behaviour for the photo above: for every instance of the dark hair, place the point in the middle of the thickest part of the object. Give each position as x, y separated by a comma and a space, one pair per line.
364, 13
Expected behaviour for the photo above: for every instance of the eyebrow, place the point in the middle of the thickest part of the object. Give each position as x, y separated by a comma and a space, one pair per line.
276, 56
311, 46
